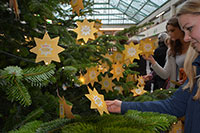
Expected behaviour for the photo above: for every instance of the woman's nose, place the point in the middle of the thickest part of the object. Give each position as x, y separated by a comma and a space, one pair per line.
187, 38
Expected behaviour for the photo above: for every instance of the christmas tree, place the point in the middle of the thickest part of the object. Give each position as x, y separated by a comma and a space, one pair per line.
29, 90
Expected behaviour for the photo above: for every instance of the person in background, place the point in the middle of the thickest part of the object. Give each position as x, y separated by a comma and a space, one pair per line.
159, 56
185, 101
175, 54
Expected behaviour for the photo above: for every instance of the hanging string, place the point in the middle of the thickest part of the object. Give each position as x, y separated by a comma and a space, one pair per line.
13, 4
24, 59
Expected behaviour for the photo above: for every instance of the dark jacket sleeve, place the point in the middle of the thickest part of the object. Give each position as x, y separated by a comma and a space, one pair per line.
175, 105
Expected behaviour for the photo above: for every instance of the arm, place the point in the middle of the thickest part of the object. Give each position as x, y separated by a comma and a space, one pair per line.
175, 105
165, 72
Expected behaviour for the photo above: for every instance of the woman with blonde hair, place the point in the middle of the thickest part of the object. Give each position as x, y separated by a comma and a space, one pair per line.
186, 100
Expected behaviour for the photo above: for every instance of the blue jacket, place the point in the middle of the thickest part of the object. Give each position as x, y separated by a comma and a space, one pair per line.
180, 104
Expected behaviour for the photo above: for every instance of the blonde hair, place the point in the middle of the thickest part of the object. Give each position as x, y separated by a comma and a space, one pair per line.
191, 7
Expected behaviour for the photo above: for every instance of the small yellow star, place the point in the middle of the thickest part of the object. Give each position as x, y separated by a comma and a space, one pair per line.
117, 71
106, 83
91, 75
138, 91
132, 51
118, 57
76, 5
147, 47
47, 49
141, 81
85, 30
97, 101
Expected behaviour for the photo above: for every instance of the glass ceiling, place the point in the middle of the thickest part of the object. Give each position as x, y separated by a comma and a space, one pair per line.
124, 11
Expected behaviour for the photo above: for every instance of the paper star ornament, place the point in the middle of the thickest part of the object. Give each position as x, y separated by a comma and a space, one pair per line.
103, 67
106, 84
138, 91
108, 56
65, 109
147, 47
97, 101
132, 51
141, 81
91, 75
98, 24
85, 30
47, 49
118, 57
119, 89
117, 71
77, 5
129, 78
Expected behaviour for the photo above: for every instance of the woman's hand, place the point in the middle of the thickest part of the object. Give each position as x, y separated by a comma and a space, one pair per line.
114, 106
150, 58
147, 77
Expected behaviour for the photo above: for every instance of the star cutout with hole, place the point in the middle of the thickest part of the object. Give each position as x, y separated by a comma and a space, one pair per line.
97, 101
85, 30
47, 49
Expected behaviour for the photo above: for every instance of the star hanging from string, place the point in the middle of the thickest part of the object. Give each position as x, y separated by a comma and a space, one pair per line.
97, 101
77, 5
47, 49
138, 91
85, 30
117, 71
147, 47
106, 83
132, 51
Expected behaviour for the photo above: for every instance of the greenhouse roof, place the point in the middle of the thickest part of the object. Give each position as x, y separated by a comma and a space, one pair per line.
124, 11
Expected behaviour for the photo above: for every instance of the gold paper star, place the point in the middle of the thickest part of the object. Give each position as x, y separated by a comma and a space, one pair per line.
117, 71
138, 91
132, 52
91, 75
85, 30
103, 67
129, 78
76, 5
141, 81
119, 89
47, 49
98, 24
106, 83
118, 57
97, 101
147, 47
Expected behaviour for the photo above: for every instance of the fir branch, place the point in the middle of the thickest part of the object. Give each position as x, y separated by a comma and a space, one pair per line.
30, 117
28, 128
18, 92
52, 125
37, 75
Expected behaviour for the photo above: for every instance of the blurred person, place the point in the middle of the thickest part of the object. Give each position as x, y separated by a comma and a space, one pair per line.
175, 54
